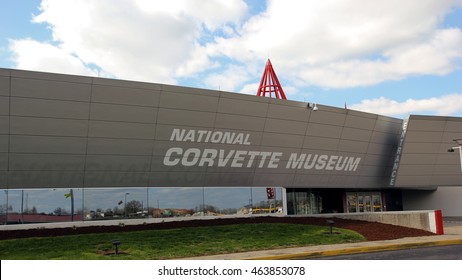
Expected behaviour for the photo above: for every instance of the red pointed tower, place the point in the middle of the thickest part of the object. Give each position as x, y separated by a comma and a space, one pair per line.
270, 84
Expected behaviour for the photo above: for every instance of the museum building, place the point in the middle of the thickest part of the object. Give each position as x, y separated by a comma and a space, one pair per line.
62, 131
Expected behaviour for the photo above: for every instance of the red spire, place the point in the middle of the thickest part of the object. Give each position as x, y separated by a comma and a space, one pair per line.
269, 83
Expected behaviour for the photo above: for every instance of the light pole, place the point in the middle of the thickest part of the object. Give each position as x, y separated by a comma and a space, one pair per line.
203, 201
6, 218
251, 197
125, 205
451, 150
22, 206
72, 204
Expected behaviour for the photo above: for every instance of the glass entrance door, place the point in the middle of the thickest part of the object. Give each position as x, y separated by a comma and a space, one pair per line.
364, 202
303, 203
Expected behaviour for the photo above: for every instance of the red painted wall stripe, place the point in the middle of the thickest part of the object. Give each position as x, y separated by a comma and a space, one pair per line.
439, 222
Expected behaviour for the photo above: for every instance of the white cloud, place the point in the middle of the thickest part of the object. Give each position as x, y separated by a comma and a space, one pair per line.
331, 43
338, 44
229, 80
138, 40
438, 56
250, 88
32, 55
444, 105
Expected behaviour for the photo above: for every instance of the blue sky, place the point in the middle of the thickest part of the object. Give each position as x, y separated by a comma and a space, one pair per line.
391, 57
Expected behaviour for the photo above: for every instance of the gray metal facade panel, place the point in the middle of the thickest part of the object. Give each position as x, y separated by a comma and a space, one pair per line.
445, 169
324, 117
31, 107
414, 180
286, 152
282, 140
322, 130
184, 179
415, 170
449, 137
445, 158
116, 179
453, 126
245, 97
243, 123
425, 153
360, 122
48, 126
342, 180
387, 125
161, 147
417, 159
424, 136
157, 165
310, 181
4, 143
126, 84
379, 159
371, 181
4, 125
47, 144
380, 149
371, 170
184, 101
292, 113
4, 86
321, 143
50, 77
384, 138
109, 146
423, 148
229, 179
165, 132
285, 126
356, 134
5, 72
3, 161
125, 136
46, 89
123, 113
190, 90
237, 107
445, 180
125, 95
426, 125
45, 179
185, 118
351, 146
106, 129
3, 179
271, 179
4, 106
48, 162
117, 163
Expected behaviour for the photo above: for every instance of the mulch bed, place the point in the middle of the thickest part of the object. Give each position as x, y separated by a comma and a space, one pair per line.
372, 231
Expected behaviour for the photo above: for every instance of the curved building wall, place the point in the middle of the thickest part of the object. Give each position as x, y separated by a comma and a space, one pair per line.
64, 131
425, 160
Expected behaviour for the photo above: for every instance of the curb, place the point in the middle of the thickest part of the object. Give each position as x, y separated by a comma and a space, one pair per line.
367, 249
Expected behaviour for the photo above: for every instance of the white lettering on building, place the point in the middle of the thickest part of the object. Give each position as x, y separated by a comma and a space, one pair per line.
241, 158
399, 150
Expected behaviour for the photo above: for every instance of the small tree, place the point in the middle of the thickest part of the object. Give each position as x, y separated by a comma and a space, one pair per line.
60, 211
134, 206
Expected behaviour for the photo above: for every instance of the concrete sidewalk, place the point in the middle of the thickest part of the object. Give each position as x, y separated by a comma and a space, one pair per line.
452, 235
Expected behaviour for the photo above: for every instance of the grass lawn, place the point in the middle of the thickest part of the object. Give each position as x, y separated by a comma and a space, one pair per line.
173, 243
